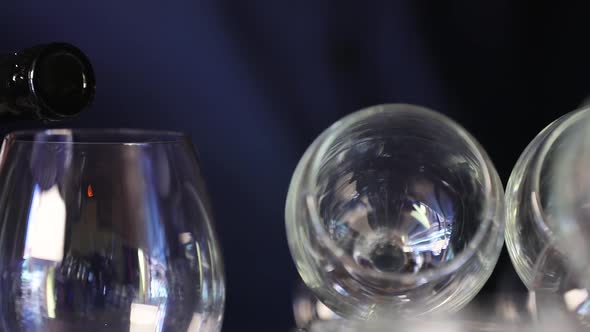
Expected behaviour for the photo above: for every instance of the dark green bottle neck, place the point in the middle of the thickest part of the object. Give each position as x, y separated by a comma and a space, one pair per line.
48, 82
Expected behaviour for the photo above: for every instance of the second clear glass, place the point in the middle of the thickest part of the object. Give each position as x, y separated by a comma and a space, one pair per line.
546, 196
548, 220
395, 210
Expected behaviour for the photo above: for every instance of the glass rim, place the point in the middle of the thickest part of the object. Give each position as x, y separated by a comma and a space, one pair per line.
490, 185
96, 136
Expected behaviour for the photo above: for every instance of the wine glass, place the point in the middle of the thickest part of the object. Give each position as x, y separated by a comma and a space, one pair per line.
547, 197
106, 230
548, 219
395, 210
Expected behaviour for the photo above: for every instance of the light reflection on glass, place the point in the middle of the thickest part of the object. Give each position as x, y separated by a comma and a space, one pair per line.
46, 225
574, 298
199, 260
50, 295
143, 318
142, 273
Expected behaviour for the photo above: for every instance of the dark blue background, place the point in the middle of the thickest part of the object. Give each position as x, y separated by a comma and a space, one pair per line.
254, 82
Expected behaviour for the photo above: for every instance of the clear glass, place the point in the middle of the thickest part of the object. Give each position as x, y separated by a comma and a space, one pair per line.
548, 226
106, 230
546, 197
395, 210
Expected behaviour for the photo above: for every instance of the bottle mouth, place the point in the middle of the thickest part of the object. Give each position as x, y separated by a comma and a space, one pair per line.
388, 257
61, 80
96, 136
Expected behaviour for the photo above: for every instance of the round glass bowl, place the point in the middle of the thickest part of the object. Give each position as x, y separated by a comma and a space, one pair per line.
395, 209
548, 219
547, 197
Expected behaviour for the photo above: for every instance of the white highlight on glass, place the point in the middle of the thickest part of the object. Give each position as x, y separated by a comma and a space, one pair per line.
574, 297
46, 230
143, 318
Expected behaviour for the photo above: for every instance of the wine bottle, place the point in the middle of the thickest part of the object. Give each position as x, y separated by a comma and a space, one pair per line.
49, 82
